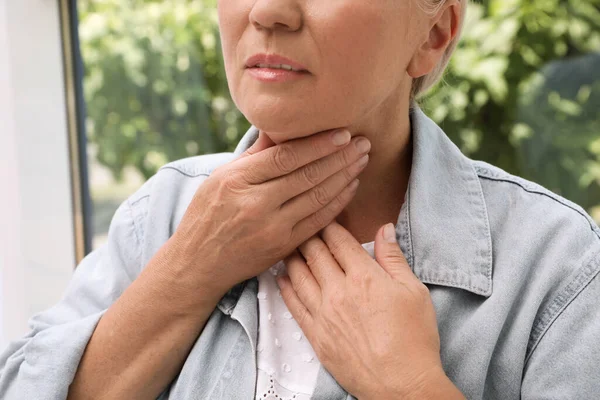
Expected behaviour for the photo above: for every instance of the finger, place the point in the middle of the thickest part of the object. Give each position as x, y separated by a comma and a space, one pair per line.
388, 253
298, 310
312, 224
322, 265
349, 161
286, 157
263, 142
348, 252
304, 283
318, 197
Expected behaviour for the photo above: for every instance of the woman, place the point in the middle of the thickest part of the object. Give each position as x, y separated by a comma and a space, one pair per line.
486, 287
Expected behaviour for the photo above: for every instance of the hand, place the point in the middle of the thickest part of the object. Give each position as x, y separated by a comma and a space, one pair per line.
252, 212
371, 322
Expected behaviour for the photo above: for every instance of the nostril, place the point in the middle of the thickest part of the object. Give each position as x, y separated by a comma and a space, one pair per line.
275, 15
279, 25
274, 26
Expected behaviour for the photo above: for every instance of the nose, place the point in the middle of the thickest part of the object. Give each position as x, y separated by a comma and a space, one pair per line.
276, 15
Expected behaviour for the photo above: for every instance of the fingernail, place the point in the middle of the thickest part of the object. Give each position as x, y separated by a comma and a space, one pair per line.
340, 138
363, 145
389, 233
280, 281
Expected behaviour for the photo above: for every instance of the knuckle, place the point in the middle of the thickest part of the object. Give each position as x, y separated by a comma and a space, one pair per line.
247, 153
336, 244
381, 349
311, 173
302, 317
361, 279
320, 197
423, 290
319, 220
345, 156
285, 295
397, 259
300, 282
232, 179
285, 159
314, 259
348, 176
339, 202
250, 174
316, 145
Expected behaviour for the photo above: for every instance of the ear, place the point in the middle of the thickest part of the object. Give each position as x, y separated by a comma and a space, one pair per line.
443, 27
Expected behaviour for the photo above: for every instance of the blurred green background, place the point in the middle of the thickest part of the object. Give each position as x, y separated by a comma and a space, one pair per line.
522, 92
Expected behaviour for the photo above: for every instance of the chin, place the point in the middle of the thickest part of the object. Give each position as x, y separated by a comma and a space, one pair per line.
281, 121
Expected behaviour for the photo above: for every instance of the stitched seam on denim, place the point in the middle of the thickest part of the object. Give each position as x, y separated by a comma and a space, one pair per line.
486, 217
203, 173
137, 238
407, 229
133, 203
140, 213
562, 298
594, 229
561, 302
434, 281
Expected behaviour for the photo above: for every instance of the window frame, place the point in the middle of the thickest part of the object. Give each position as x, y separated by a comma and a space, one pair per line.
76, 114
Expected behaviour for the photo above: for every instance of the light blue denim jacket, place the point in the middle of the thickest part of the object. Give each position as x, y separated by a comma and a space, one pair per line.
512, 269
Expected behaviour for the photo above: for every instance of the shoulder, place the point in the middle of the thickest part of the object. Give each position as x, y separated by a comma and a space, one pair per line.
529, 204
198, 165
158, 206
538, 226
178, 176
546, 242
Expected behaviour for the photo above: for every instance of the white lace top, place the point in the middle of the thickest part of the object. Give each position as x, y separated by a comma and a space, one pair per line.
286, 362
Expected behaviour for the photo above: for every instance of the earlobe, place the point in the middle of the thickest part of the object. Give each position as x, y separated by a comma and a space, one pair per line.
419, 65
443, 30
423, 61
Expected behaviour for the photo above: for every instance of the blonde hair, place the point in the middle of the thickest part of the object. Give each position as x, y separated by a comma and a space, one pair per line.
422, 84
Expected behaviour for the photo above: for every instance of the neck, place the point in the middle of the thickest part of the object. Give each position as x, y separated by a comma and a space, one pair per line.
384, 181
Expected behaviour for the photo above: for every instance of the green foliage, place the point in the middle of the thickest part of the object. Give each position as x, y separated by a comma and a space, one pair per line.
522, 91
155, 85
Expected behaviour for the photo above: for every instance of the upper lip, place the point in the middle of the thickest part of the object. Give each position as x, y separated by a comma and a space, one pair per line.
273, 59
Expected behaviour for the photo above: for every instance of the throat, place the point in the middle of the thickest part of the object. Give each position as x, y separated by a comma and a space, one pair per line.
383, 184
364, 218
379, 197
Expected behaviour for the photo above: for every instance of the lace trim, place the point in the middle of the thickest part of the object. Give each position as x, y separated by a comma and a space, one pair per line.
275, 392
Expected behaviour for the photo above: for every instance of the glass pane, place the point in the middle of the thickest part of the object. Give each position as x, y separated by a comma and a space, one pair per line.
522, 92
155, 90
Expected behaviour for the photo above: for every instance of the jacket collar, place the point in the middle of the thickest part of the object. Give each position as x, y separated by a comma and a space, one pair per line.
445, 229
443, 226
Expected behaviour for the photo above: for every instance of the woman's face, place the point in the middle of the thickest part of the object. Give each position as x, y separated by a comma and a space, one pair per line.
355, 54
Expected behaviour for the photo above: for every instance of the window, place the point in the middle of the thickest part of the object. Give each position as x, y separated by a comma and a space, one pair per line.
522, 92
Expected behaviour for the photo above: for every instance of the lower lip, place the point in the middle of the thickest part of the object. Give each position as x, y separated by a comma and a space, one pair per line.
275, 75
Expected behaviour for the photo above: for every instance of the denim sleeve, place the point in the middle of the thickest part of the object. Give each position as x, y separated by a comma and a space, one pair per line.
42, 364
566, 362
